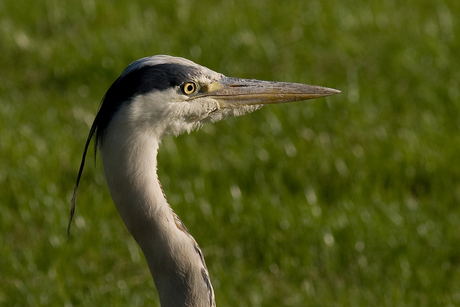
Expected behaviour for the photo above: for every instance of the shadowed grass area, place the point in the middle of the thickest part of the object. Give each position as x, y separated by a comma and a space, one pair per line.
351, 200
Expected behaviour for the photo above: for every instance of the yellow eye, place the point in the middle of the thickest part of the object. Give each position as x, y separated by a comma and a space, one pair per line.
189, 88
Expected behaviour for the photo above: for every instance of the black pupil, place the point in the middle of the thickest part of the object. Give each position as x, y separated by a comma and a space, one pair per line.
189, 88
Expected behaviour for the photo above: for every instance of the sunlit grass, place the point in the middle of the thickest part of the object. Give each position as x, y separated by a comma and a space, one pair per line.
346, 201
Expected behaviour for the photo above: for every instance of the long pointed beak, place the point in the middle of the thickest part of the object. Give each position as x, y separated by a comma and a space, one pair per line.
231, 92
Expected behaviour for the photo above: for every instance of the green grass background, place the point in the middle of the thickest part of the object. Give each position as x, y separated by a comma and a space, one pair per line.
351, 200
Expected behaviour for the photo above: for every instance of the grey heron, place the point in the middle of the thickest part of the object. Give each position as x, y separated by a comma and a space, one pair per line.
154, 97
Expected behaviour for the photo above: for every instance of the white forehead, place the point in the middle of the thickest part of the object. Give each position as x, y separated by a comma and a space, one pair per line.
167, 59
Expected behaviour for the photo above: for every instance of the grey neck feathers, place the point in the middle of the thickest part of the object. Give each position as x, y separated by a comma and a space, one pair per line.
174, 258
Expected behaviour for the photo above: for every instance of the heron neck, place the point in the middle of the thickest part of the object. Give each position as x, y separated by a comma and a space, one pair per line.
174, 258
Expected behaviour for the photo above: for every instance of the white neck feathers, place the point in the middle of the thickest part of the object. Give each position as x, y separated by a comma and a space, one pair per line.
173, 256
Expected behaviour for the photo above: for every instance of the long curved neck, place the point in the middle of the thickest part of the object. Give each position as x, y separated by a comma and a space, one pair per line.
174, 258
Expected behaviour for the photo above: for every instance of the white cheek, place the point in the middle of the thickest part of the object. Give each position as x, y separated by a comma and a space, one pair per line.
189, 115
199, 109
168, 112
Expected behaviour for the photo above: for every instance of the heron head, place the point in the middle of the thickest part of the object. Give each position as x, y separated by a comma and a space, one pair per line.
161, 95
171, 95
